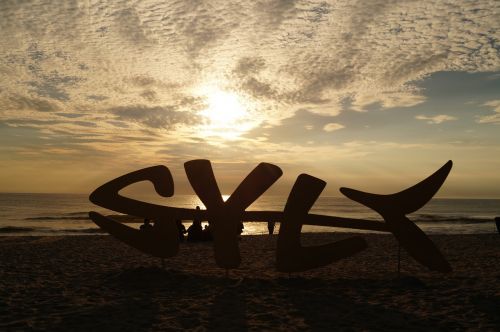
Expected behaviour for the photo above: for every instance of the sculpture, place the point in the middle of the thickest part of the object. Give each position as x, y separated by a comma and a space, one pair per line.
290, 255
224, 217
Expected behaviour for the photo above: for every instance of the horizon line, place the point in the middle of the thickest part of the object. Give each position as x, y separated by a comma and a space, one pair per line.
193, 194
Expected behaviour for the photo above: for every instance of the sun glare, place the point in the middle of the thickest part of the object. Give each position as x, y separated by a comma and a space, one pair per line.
228, 114
224, 109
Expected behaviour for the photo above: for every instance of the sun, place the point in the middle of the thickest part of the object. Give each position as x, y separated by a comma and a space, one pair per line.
228, 114
224, 109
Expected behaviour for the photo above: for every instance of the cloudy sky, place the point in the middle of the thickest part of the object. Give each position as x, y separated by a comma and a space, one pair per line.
373, 95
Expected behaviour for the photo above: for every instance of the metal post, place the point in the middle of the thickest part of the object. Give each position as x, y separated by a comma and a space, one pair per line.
399, 260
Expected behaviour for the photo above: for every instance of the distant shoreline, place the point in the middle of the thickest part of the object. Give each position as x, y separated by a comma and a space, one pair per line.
265, 195
46, 214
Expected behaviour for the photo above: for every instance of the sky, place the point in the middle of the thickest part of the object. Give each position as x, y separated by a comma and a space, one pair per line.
372, 95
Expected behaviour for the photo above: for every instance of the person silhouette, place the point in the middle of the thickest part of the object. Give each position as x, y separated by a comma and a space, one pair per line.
147, 225
270, 227
497, 222
181, 228
195, 232
240, 229
207, 233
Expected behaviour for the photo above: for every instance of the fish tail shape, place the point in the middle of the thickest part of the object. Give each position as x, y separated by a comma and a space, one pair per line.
394, 208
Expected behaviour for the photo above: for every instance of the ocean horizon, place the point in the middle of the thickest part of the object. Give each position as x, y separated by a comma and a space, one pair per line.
48, 214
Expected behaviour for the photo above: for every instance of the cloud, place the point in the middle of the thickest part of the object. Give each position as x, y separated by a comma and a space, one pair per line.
194, 27
141, 65
276, 11
437, 119
494, 118
304, 125
495, 104
18, 102
71, 115
149, 95
332, 126
283, 51
391, 99
148, 82
96, 98
249, 65
31, 123
130, 26
84, 124
155, 117
54, 85
414, 69
119, 124
258, 89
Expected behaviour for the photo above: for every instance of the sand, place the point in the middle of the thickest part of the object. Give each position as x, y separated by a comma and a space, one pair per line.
97, 283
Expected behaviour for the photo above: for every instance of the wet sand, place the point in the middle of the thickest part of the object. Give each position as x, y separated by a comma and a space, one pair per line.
97, 283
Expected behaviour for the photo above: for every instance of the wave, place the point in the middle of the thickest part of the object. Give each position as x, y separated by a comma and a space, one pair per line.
56, 218
85, 230
80, 215
77, 216
14, 229
449, 218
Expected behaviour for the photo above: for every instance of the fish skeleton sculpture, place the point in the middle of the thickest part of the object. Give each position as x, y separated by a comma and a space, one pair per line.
225, 216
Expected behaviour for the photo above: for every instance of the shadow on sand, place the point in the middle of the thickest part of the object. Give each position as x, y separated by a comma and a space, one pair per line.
147, 298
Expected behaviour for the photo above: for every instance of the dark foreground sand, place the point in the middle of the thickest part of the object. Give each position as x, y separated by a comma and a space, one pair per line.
97, 283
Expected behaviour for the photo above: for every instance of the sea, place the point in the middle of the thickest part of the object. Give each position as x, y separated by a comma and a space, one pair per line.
67, 214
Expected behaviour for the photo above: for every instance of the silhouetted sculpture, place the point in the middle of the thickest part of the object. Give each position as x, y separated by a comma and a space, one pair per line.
162, 240
270, 227
291, 256
394, 208
226, 217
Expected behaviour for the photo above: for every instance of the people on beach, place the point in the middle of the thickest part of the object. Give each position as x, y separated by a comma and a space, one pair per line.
270, 227
241, 227
207, 233
195, 232
147, 225
181, 228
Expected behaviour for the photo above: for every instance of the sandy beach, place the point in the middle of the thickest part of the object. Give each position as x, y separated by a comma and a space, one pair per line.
97, 283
